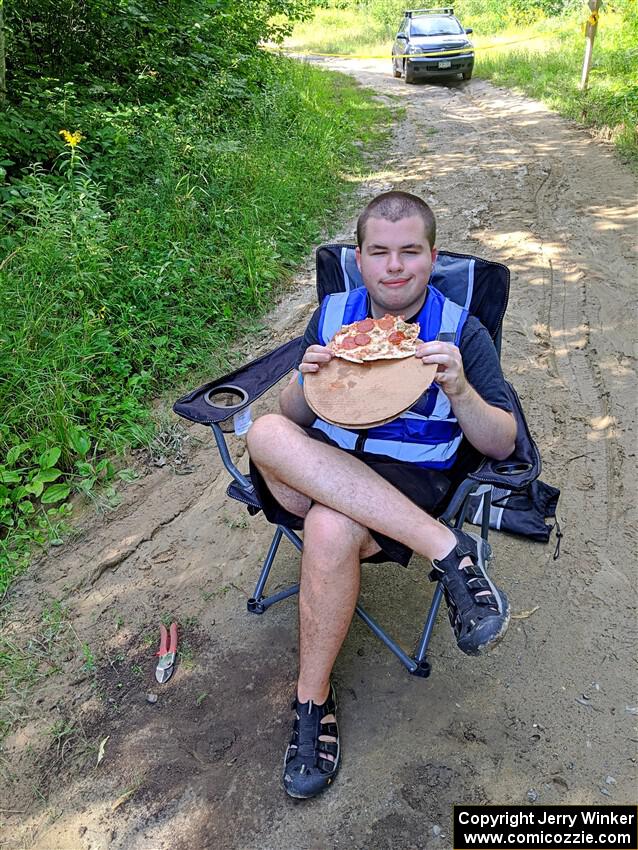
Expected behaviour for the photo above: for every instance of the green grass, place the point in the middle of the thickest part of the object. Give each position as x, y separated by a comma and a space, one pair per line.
339, 31
27, 660
128, 269
543, 60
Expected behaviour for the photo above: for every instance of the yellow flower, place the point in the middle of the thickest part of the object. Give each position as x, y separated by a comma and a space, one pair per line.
72, 139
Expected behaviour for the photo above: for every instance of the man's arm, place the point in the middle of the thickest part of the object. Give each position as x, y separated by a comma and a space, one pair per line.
293, 405
489, 429
292, 402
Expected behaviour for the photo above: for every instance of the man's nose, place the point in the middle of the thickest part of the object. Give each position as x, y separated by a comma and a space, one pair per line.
394, 261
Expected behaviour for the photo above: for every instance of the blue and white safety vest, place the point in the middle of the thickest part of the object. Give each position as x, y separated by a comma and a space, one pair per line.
428, 434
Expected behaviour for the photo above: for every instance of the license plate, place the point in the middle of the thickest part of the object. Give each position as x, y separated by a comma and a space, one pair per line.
446, 63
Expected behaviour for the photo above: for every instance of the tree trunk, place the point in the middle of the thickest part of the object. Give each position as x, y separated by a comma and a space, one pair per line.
3, 64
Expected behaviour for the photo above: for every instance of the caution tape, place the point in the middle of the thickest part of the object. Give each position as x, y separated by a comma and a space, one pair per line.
455, 52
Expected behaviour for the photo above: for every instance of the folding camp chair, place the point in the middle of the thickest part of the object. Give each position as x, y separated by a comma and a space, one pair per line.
480, 286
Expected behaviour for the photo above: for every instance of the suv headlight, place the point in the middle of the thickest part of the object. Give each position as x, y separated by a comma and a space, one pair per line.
413, 48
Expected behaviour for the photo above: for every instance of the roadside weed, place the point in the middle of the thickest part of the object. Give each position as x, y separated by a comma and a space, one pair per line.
186, 655
89, 658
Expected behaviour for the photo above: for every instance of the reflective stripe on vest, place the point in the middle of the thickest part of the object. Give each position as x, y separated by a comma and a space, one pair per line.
427, 434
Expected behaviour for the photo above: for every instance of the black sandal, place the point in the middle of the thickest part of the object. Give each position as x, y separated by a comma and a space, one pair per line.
478, 610
312, 758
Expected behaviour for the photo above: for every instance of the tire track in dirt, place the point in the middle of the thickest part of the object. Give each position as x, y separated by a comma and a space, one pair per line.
569, 338
572, 355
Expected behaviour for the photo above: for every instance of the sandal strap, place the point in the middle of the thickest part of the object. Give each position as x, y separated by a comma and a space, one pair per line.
306, 744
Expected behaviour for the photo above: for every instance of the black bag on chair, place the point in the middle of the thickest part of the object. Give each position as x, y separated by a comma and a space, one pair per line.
523, 513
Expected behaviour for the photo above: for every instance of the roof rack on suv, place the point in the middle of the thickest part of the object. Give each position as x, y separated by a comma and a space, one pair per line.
438, 10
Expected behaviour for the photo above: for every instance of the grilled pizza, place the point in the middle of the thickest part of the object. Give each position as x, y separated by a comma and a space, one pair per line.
389, 338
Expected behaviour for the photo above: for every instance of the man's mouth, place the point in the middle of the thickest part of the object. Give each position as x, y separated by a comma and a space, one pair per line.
399, 281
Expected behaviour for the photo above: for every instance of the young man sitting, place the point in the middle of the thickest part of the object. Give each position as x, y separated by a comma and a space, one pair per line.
374, 496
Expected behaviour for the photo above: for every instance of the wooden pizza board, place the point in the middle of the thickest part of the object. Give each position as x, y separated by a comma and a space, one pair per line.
362, 395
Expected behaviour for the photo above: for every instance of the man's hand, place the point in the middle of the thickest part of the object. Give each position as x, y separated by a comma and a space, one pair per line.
292, 402
314, 358
450, 375
491, 430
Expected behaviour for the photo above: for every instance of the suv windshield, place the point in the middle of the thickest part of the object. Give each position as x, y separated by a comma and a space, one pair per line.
435, 26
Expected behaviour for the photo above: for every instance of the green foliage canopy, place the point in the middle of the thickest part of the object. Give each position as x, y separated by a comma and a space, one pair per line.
492, 14
153, 47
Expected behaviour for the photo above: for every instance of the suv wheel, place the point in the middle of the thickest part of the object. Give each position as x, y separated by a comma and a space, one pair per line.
395, 72
467, 75
409, 73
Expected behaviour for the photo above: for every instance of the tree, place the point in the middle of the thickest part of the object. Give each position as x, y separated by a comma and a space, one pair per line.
151, 48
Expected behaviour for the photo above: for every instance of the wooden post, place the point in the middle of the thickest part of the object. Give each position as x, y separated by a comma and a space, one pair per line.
590, 35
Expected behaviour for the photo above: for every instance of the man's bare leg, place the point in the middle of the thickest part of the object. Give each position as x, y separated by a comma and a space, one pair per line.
299, 470
330, 573
296, 466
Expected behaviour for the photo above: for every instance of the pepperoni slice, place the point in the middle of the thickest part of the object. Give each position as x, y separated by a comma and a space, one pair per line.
396, 337
385, 324
365, 325
349, 342
362, 339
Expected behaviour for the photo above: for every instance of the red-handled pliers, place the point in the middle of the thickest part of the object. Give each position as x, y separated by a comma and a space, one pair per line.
167, 652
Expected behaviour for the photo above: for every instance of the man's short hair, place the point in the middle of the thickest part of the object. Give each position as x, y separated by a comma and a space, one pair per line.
393, 206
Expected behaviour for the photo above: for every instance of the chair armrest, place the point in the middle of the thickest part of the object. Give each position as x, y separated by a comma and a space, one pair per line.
246, 384
524, 464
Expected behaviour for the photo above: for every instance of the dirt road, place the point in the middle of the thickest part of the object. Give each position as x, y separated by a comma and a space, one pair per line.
545, 717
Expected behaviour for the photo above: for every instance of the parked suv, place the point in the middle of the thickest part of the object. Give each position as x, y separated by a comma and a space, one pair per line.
432, 43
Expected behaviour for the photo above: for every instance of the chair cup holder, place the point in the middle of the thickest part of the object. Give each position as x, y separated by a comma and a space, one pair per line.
511, 467
227, 398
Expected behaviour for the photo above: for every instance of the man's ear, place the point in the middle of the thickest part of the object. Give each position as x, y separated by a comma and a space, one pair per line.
357, 257
434, 255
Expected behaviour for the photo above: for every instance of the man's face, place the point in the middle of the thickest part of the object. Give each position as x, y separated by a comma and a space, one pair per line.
396, 261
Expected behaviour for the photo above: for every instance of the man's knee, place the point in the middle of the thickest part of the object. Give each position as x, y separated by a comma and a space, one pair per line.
326, 528
266, 433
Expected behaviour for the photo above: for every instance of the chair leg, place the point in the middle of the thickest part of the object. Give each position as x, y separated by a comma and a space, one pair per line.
422, 647
259, 603
485, 516
415, 667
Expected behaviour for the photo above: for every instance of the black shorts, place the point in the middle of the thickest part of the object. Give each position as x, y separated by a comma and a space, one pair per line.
427, 488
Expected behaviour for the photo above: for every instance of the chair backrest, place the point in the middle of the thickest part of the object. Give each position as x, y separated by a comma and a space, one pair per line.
481, 286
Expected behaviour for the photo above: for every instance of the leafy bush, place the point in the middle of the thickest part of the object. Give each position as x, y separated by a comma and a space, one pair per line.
155, 47
137, 257
67, 60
